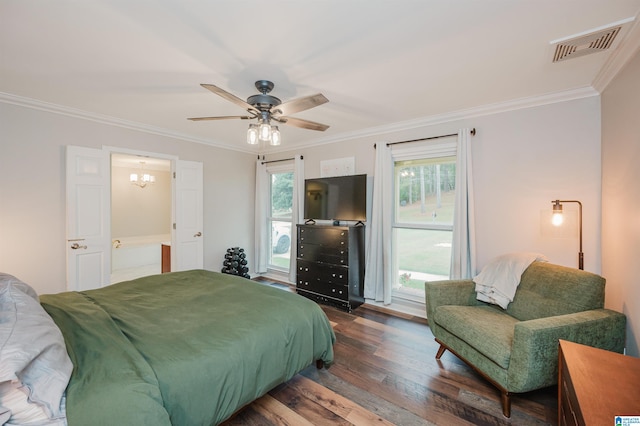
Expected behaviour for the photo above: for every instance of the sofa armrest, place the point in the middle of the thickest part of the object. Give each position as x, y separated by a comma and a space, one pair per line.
449, 292
534, 353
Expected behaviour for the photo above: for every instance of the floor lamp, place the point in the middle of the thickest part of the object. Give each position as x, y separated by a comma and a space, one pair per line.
557, 219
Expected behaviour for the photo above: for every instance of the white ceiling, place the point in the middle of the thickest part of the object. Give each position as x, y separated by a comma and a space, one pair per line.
380, 63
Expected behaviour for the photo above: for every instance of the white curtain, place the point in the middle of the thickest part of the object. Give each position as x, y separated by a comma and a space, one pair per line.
297, 212
378, 277
463, 249
261, 215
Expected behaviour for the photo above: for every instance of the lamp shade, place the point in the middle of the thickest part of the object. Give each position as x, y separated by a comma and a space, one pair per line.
264, 132
557, 218
275, 136
252, 134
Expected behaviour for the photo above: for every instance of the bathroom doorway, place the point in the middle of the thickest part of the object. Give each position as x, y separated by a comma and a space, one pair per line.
141, 215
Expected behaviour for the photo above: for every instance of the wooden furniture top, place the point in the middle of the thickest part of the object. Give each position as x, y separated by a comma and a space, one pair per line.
606, 384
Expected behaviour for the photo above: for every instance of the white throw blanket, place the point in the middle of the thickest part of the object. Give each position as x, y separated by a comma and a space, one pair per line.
499, 279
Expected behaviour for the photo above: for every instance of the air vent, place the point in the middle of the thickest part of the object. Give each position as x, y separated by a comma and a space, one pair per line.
585, 44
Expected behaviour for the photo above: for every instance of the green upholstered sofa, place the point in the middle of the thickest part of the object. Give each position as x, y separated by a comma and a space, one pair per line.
517, 349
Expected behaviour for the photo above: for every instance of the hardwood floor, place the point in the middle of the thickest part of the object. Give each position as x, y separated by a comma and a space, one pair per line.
385, 373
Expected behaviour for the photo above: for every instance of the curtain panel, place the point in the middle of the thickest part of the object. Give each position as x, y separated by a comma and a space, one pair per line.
379, 280
297, 212
463, 247
261, 215
378, 274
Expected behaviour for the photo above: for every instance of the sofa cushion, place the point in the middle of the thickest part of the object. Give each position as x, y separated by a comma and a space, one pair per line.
488, 329
548, 290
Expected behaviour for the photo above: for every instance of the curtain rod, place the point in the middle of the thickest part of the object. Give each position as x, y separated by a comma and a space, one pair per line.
473, 132
276, 161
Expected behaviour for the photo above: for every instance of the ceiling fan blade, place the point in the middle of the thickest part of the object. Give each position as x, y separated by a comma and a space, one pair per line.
226, 117
304, 124
300, 104
228, 96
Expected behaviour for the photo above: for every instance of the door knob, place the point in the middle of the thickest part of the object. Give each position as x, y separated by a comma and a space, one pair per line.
76, 246
198, 234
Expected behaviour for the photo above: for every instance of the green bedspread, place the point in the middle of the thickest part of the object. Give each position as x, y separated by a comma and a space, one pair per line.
184, 348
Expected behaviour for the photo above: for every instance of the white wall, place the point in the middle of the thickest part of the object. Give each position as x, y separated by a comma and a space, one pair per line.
522, 160
139, 211
621, 197
32, 190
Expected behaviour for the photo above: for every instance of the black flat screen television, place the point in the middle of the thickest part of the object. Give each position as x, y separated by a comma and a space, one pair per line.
336, 198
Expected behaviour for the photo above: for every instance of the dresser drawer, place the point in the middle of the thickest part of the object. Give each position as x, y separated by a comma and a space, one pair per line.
336, 291
318, 253
322, 281
328, 237
567, 404
324, 273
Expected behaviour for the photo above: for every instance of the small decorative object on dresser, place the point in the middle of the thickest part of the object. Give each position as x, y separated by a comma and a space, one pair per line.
596, 386
330, 264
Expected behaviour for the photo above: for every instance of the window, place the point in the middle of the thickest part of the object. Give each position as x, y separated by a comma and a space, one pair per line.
424, 190
281, 196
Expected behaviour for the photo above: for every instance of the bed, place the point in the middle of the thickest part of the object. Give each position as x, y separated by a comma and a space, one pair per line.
188, 348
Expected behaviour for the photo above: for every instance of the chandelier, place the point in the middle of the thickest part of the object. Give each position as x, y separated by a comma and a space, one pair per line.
141, 179
263, 131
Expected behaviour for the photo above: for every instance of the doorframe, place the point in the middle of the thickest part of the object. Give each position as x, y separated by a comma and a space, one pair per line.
173, 159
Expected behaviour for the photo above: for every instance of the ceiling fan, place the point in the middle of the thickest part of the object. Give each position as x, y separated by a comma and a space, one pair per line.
265, 107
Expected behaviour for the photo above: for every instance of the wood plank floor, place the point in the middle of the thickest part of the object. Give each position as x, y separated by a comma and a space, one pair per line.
385, 373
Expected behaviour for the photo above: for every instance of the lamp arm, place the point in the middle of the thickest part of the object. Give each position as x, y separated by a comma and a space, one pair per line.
580, 253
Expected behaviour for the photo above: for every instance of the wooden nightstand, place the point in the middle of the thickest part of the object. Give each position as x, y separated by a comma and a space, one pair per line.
595, 385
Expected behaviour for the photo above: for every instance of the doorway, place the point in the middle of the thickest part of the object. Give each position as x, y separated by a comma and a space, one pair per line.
89, 237
141, 215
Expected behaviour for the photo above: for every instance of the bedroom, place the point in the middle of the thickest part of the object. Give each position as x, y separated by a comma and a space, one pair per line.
581, 140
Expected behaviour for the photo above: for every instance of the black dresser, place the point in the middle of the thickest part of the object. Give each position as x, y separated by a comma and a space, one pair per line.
330, 261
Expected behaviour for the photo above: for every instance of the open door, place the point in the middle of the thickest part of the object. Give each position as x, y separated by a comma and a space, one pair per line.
188, 223
88, 218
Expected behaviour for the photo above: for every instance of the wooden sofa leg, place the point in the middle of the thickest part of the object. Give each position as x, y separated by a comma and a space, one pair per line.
319, 364
506, 403
441, 350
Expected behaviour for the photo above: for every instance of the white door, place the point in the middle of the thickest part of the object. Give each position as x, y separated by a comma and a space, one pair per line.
88, 218
188, 220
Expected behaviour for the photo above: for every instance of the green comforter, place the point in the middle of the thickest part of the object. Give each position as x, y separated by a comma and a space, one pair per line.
184, 348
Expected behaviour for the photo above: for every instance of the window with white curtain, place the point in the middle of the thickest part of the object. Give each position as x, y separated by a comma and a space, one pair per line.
279, 218
424, 199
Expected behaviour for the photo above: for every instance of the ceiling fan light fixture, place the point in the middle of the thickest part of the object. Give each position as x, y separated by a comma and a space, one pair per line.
252, 134
264, 131
275, 136
265, 107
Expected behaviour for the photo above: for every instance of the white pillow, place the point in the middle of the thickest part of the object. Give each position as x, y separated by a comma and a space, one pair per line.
33, 356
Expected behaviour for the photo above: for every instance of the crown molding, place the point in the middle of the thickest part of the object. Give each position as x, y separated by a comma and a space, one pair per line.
619, 58
378, 131
108, 120
489, 109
